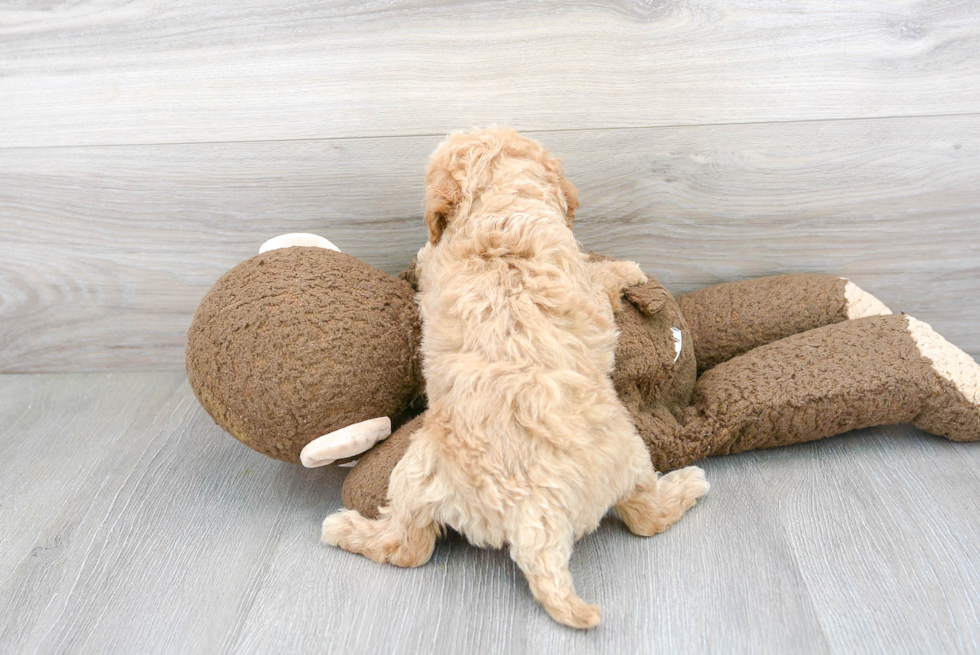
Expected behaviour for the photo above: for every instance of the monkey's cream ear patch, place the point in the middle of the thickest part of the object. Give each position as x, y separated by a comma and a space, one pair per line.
860, 303
297, 239
345, 442
947, 360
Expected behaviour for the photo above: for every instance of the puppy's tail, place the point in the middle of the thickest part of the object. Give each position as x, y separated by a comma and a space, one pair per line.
542, 553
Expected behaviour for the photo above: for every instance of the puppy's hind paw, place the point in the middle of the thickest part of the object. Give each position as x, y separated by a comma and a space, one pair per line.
382, 540
658, 503
339, 528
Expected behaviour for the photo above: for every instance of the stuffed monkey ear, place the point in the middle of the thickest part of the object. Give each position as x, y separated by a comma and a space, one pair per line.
411, 274
649, 298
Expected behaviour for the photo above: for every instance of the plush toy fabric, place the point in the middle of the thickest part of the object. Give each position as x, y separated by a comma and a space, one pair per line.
295, 343
301, 342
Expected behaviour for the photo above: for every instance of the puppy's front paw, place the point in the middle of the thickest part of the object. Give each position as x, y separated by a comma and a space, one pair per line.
614, 276
632, 274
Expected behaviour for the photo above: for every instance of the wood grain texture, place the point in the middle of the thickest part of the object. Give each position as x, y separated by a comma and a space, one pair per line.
139, 527
115, 534
96, 73
105, 252
668, 590
893, 519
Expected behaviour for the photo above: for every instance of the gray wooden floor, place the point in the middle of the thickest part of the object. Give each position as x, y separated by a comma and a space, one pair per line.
129, 523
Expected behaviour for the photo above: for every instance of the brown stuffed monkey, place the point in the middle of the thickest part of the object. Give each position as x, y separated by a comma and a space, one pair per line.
300, 342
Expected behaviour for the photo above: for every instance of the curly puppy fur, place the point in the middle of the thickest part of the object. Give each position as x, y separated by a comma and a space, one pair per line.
525, 441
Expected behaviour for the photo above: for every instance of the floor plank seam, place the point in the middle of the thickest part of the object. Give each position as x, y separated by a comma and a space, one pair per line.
529, 131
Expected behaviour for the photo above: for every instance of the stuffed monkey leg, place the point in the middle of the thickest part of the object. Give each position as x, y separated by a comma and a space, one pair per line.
871, 371
733, 318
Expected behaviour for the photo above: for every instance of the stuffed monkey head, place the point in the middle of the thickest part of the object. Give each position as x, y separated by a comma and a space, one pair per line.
299, 342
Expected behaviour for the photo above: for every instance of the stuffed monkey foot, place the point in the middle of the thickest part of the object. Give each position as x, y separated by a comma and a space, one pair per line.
953, 410
858, 303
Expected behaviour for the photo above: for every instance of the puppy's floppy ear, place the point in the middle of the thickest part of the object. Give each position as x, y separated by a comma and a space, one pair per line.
571, 197
568, 190
442, 194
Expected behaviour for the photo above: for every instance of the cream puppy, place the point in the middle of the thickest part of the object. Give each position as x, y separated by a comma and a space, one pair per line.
525, 442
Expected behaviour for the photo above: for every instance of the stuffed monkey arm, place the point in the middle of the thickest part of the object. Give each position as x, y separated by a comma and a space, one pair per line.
366, 486
411, 274
353, 439
871, 371
733, 318
670, 445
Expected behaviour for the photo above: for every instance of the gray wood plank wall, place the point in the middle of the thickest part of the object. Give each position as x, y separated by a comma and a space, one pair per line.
162, 71
147, 147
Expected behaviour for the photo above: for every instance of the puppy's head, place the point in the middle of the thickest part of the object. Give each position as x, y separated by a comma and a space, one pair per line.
466, 164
